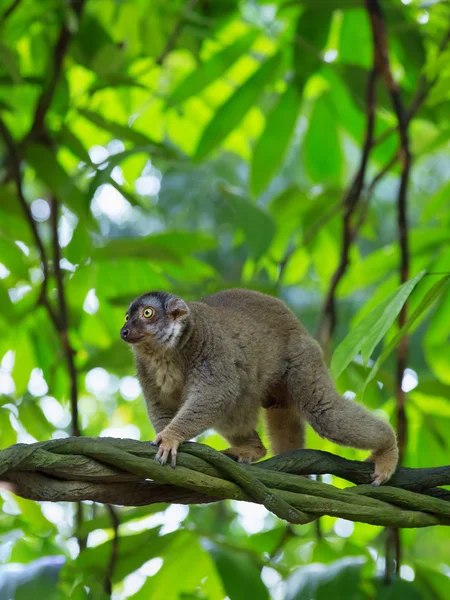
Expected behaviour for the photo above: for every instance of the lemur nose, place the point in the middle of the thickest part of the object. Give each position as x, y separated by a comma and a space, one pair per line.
124, 333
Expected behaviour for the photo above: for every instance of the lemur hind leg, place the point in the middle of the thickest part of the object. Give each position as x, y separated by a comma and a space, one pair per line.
340, 420
246, 448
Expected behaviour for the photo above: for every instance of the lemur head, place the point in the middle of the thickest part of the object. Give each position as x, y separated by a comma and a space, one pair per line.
155, 320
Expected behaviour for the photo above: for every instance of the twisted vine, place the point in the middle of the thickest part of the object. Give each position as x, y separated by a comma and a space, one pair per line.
123, 472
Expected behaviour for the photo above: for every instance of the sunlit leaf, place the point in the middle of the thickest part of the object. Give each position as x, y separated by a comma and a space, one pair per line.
230, 114
438, 288
370, 330
240, 576
322, 146
58, 181
212, 69
271, 148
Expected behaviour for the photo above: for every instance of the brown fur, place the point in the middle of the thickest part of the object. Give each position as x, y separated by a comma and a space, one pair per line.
215, 362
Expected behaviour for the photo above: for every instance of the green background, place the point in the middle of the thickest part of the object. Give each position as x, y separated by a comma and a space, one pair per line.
191, 148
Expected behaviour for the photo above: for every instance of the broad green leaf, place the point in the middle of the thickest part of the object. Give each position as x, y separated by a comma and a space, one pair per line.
356, 33
385, 260
211, 70
187, 570
37, 579
257, 225
272, 146
24, 360
429, 578
124, 132
378, 333
10, 61
169, 246
366, 334
399, 589
133, 551
322, 146
437, 290
241, 577
49, 170
329, 5
103, 520
74, 144
437, 204
340, 579
230, 114
13, 258
311, 35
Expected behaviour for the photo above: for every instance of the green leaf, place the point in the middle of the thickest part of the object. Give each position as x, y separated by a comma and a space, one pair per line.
372, 328
124, 132
438, 203
187, 572
258, 226
322, 147
211, 70
340, 579
103, 520
10, 61
74, 145
37, 579
230, 114
241, 578
133, 551
13, 258
169, 246
49, 170
437, 290
356, 33
311, 35
272, 146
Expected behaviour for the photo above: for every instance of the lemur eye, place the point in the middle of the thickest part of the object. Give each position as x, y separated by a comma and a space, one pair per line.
148, 313
127, 316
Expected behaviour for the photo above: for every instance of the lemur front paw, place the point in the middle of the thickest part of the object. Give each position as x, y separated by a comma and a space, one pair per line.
168, 443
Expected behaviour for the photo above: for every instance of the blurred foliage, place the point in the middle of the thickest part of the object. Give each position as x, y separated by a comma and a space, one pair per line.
194, 147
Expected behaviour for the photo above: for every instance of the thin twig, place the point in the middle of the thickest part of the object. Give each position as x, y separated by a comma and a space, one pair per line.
423, 89
173, 37
63, 328
383, 64
8, 12
328, 318
14, 160
54, 70
114, 550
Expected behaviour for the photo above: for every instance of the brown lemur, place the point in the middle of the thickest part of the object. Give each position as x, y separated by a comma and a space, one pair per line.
213, 363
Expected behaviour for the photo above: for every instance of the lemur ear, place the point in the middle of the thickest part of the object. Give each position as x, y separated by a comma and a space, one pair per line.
177, 308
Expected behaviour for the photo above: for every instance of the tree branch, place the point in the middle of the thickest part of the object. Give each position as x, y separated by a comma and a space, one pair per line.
383, 65
63, 320
328, 318
123, 472
53, 73
114, 550
8, 12
17, 177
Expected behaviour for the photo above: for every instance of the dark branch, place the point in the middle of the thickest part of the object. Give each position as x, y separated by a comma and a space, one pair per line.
8, 12
63, 321
53, 73
328, 318
14, 160
114, 550
380, 42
